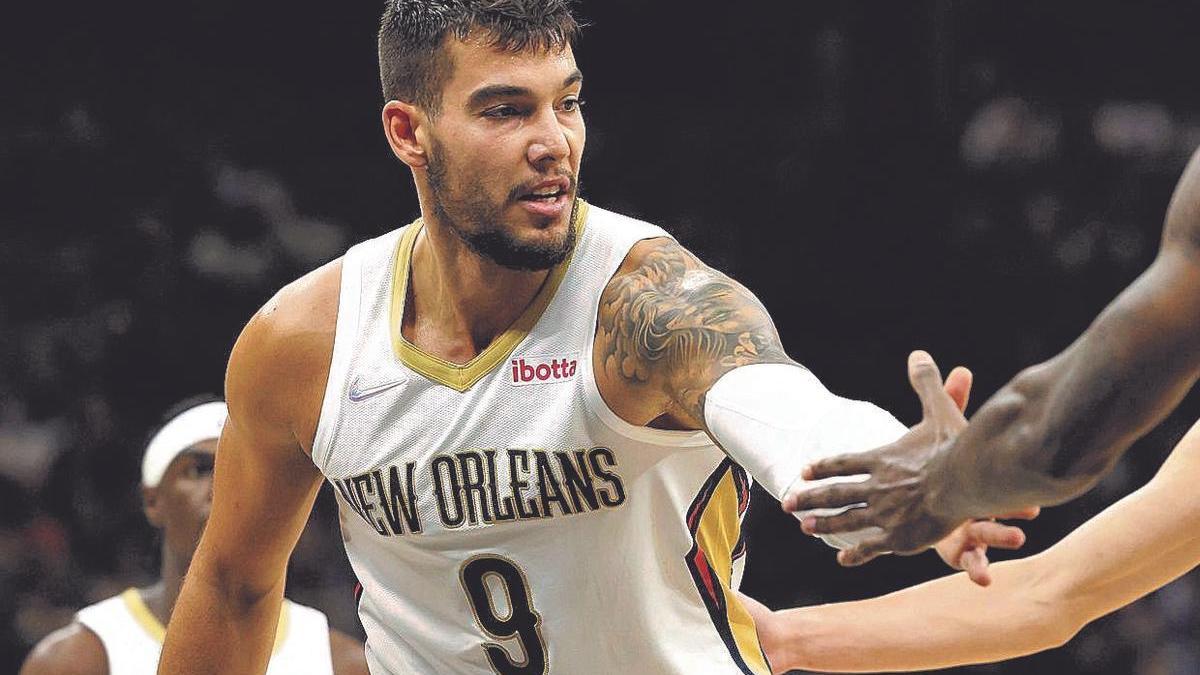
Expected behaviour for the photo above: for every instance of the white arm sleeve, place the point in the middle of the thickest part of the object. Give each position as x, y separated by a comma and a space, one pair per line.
774, 418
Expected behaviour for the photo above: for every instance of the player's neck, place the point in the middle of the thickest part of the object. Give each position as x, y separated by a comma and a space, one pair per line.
461, 297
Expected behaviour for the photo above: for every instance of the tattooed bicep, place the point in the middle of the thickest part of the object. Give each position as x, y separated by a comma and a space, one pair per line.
669, 321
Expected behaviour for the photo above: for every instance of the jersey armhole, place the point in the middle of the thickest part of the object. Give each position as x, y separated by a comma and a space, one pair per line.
344, 337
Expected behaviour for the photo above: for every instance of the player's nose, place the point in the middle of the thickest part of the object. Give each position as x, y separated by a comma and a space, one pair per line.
549, 143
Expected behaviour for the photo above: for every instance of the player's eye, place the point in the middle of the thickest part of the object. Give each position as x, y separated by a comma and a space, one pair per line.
501, 112
202, 467
572, 104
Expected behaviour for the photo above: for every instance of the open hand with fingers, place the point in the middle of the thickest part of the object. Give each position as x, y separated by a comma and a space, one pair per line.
900, 495
966, 547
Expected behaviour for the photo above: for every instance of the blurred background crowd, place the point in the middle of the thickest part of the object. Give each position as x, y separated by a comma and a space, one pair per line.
975, 178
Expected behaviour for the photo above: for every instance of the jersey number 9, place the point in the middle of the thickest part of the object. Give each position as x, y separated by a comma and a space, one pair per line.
520, 620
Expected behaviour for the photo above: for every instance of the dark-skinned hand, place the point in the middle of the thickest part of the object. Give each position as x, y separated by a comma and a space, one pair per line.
897, 492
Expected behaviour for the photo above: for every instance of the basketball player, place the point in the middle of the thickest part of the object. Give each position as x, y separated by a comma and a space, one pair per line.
1136, 546
517, 398
123, 635
1047, 436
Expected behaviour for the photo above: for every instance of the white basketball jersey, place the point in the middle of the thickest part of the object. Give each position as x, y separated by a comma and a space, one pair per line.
499, 516
133, 637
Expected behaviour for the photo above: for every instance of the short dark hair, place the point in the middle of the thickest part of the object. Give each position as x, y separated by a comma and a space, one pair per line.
413, 66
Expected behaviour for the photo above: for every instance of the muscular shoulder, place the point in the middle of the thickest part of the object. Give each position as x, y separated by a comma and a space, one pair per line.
73, 650
668, 326
281, 360
303, 314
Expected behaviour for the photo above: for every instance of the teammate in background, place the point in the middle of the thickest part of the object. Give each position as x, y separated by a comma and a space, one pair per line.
1139, 544
1046, 437
518, 399
123, 635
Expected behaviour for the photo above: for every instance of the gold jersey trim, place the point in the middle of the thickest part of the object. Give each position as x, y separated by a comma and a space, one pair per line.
157, 632
461, 377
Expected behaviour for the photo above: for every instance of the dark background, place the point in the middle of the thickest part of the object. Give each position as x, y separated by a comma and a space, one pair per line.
974, 178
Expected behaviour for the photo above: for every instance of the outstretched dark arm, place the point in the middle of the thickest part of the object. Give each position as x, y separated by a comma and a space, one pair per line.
1055, 429
1052, 432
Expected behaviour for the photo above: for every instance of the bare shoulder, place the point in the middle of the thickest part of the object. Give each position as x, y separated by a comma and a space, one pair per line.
668, 326
304, 311
280, 362
72, 650
349, 656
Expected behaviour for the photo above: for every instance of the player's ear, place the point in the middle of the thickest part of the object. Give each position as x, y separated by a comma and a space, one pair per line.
402, 124
150, 506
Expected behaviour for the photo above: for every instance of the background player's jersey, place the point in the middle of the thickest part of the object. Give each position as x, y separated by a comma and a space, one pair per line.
501, 518
133, 638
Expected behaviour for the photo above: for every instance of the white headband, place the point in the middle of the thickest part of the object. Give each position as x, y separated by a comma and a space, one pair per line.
192, 426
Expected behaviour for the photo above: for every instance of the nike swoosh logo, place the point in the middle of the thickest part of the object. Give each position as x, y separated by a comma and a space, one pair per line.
359, 394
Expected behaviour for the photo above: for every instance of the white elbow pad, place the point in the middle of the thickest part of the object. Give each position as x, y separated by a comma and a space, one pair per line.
773, 419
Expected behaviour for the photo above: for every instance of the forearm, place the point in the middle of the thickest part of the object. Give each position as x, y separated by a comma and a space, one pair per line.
1057, 428
1019, 452
204, 620
943, 623
773, 419
211, 612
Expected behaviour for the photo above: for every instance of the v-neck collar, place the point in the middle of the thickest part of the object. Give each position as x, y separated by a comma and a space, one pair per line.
461, 377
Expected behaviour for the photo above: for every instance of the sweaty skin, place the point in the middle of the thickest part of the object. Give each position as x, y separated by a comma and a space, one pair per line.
1136, 546
1052, 432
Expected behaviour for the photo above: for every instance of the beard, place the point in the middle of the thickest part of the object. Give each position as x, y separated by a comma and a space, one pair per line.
478, 222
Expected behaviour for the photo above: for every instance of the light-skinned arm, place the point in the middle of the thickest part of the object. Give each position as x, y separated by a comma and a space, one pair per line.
1134, 547
264, 485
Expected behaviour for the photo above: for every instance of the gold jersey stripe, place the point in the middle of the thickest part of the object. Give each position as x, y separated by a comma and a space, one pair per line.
717, 536
154, 628
462, 377
143, 616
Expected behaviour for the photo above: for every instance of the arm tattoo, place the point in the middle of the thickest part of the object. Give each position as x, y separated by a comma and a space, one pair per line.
678, 325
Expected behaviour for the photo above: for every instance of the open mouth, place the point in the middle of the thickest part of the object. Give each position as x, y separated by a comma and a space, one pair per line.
547, 192
547, 196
